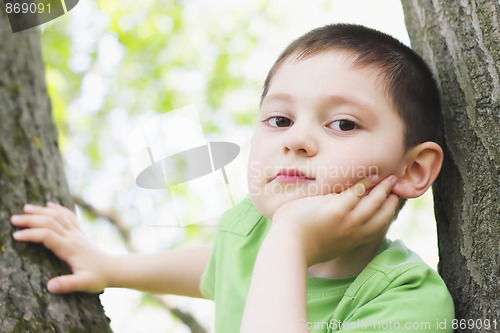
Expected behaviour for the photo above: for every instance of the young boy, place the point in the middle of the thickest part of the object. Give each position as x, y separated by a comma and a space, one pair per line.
349, 123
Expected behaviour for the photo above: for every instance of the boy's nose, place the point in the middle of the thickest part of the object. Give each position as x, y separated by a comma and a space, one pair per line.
300, 140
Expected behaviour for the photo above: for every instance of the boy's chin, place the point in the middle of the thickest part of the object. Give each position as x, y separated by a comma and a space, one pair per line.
267, 206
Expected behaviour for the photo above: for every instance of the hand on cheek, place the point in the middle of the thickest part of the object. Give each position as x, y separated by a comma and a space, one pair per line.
327, 226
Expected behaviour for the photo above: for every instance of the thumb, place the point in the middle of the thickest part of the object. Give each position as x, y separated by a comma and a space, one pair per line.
70, 283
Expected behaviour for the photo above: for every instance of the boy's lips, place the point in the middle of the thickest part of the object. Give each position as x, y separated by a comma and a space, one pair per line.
291, 175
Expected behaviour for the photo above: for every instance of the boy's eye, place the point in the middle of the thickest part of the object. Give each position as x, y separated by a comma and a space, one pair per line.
343, 125
280, 122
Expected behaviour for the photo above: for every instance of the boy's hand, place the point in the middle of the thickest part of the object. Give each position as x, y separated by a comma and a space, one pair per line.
58, 229
327, 226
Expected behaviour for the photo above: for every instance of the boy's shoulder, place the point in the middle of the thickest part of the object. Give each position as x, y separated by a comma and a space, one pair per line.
394, 257
394, 264
398, 285
241, 219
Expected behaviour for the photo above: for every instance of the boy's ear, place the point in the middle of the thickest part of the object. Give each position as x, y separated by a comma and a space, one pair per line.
420, 168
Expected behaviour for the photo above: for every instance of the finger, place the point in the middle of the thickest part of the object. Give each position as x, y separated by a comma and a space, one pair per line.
68, 213
371, 203
37, 221
70, 283
381, 220
47, 237
53, 212
351, 196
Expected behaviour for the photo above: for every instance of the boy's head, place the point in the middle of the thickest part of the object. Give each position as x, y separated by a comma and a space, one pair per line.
343, 102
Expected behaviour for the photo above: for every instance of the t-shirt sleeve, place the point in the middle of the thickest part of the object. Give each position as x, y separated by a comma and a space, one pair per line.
207, 281
240, 221
416, 301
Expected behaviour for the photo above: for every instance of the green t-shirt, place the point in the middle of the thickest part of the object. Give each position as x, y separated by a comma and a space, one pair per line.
396, 291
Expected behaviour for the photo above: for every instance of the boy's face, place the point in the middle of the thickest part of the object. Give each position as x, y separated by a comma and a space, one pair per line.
323, 125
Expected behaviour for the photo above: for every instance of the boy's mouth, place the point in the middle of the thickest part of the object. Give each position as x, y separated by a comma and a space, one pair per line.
291, 176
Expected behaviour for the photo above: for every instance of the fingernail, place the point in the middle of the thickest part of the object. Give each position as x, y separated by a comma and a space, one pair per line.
53, 286
28, 207
394, 180
16, 234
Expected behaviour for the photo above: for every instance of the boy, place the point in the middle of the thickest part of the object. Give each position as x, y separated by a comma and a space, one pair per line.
348, 124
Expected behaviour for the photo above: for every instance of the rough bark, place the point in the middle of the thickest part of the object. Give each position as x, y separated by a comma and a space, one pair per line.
460, 41
31, 171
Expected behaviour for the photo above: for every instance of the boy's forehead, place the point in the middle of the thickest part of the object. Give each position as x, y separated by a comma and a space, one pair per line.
334, 65
348, 60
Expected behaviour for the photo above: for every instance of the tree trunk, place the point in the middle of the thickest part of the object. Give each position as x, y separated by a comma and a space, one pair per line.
460, 41
31, 171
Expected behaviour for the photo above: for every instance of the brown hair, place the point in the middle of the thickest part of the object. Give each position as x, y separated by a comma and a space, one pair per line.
407, 79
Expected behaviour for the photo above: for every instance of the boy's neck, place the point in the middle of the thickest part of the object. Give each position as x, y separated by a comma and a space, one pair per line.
348, 264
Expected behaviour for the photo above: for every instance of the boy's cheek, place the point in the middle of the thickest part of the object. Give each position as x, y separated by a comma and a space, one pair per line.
342, 177
338, 177
254, 187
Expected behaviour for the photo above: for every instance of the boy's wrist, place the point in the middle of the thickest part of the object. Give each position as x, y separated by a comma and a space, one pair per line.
290, 235
109, 270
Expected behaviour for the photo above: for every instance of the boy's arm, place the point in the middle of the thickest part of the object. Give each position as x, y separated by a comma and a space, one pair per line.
176, 272
171, 272
304, 232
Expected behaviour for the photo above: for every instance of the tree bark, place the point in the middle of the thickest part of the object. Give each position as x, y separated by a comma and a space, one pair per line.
31, 171
460, 41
